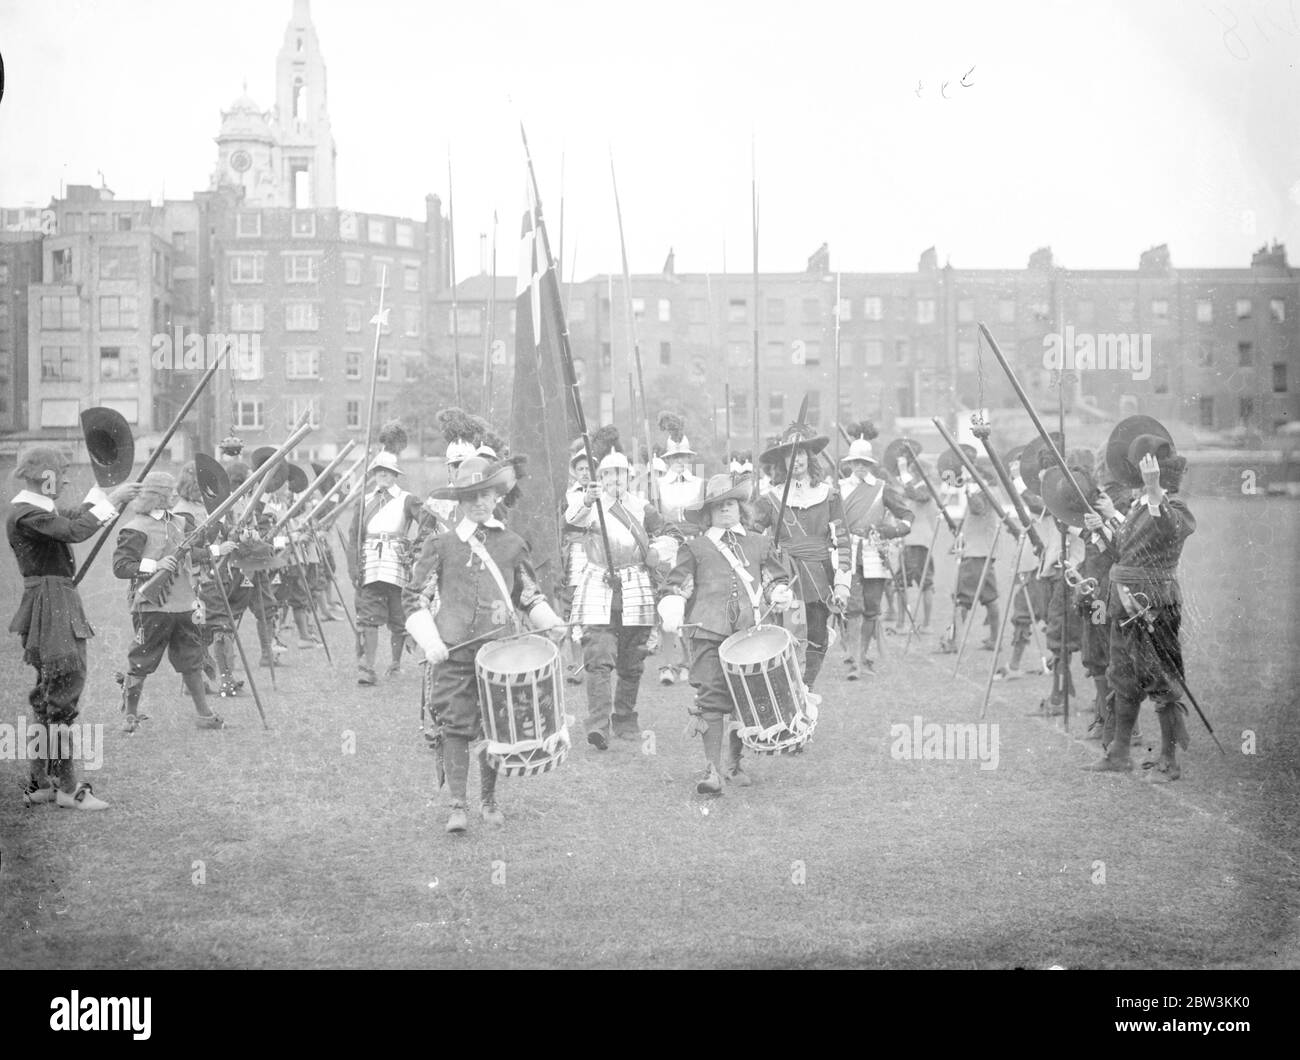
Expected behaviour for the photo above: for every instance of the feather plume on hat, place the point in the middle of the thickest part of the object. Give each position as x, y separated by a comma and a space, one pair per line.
604, 442
673, 425
861, 429
457, 425
392, 436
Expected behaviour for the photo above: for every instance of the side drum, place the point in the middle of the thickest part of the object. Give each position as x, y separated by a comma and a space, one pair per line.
766, 685
522, 696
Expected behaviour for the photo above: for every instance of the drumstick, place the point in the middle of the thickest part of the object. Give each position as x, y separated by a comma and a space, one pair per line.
492, 635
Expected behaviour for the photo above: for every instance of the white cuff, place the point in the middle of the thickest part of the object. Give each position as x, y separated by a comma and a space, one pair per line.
422, 627
215, 551
672, 609
543, 616
1019, 483
281, 541
843, 579
148, 566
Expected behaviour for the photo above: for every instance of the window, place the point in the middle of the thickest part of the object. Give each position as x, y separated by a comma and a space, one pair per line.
1160, 311
247, 316
1279, 378
966, 311
512, 320
814, 409
775, 311
1085, 310
4, 274
1204, 312
74, 222
62, 260
119, 263
1277, 310
1207, 412
966, 355
812, 310
900, 351
181, 242
4, 318
844, 309
1124, 310
410, 367
60, 312
377, 231
812, 351
1245, 354
98, 222
246, 268
352, 271
1243, 308
1006, 311
353, 413
739, 355
737, 311
119, 362
740, 406
665, 311
1246, 410
697, 310
665, 353
925, 310
405, 235
468, 321
248, 224
157, 266
302, 364
301, 268
296, 406
352, 317
578, 312
873, 308
61, 412
304, 223
776, 409
411, 321
119, 311
347, 224
411, 277
301, 316
606, 355
1205, 356
638, 308
381, 411
873, 353
383, 368
775, 354
61, 363
352, 365
1041, 311
248, 359
381, 274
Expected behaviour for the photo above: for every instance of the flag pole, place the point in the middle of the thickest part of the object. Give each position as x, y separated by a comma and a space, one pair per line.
652, 485
838, 410
455, 316
566, 353
489, 332
379, 320
753, 207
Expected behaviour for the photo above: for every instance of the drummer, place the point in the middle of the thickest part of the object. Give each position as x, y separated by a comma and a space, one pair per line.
678, 488
470, 581
726, 570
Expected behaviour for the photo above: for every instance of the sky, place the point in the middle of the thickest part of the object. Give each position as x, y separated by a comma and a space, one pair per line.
1099, 127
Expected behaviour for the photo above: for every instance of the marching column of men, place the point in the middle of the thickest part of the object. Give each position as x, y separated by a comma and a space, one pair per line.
710, 560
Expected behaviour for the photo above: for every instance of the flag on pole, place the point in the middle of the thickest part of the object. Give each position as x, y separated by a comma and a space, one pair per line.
540, 424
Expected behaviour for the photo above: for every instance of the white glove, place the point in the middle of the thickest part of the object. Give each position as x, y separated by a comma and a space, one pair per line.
422, 627
672, 610
543, 617
781, 597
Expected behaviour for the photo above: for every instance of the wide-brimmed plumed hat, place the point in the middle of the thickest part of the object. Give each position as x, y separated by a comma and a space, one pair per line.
796, 436
298, 480
276, 478
949, 461
1131, 440
1061, 499
719, 488
1036, 457
109, 444
899, 448
213, 481
478, 473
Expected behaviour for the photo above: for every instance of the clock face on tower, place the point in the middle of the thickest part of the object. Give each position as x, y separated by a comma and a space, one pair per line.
240, 161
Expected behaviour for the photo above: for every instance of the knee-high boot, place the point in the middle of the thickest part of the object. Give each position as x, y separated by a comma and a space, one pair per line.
927, 606
1117, 758
306, 638
1166, 767
712, 782
455, 756
864, 643
993, 617
207, 718
368, 642
733, 772
487, 781
397, 641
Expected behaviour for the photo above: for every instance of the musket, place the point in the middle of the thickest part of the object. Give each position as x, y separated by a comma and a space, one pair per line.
982, 431
978, 479
303, 497
155, 456
330, 494
566, 352
1038, 424
924, 476
789, 477
652, 483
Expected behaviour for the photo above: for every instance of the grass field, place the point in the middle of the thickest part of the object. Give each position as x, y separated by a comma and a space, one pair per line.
247, 848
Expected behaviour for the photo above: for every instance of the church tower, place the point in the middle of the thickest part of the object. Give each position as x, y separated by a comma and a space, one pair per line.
247, 154
306, 144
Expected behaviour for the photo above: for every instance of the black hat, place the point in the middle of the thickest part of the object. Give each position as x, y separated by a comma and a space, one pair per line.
1036, 457
276, 478
297, 478
1060, 497
109, 444
212, 479
1131, 440
949, 461
324, 484
898, 449
797, 436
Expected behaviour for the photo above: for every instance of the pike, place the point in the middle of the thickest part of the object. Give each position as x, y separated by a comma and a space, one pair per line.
379, 320
652, 484
455, 323
982, 431
753, 210
301, 502
978, 479
789, 477
334, 490
156, 455
489, 332
566, 354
